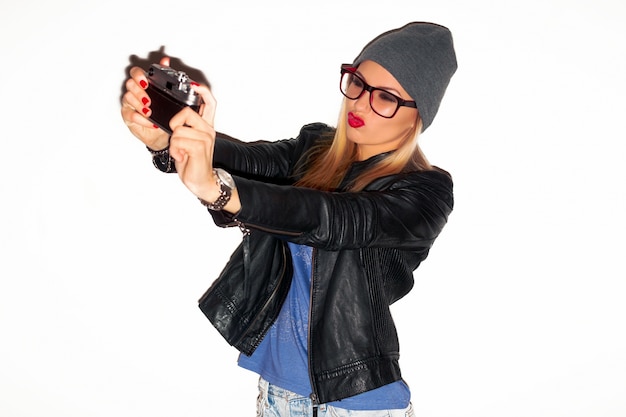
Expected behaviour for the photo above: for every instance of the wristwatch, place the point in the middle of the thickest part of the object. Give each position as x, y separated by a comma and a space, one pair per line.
226, 184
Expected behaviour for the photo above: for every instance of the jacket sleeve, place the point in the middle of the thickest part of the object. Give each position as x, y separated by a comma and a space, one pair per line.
264, 159
409, 213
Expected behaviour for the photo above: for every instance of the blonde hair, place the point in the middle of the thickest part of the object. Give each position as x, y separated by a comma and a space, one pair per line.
328, 162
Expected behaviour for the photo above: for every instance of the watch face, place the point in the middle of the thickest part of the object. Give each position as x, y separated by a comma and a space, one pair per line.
226, 178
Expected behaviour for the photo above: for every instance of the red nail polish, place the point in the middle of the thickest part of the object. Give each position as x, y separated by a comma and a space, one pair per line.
143, 84
145, 100
155, 126
145, 110
194, 83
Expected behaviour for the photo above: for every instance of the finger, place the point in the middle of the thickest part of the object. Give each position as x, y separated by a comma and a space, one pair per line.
137, 99
135, 95
180, 162
188, 141
192, 162
187, 117
210, 104
165, 61
130, 105
133, 119
139, 75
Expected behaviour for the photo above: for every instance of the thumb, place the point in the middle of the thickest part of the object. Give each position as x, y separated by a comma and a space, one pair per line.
210, 104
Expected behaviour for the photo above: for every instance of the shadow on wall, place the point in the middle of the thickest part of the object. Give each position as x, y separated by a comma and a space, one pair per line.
153, 58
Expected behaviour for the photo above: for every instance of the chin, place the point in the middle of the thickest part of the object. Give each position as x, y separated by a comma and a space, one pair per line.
354, 135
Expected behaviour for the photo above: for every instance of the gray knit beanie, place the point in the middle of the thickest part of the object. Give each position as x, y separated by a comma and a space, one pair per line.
421, 57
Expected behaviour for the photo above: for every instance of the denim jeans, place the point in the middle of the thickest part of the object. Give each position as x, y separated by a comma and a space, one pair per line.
277, 402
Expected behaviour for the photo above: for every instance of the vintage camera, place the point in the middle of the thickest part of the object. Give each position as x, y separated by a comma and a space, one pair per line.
169, 91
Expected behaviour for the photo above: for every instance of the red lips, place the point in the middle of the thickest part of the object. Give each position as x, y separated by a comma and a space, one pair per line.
355, 121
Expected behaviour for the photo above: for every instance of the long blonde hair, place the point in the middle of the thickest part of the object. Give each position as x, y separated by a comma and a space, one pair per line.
328, 162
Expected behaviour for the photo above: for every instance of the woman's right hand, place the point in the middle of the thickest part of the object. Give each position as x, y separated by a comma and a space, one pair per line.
136, 109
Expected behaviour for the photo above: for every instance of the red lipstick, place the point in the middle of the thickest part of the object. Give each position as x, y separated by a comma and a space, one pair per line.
355, 121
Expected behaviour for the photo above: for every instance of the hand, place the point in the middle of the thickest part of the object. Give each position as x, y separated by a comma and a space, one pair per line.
192, 144
136, 109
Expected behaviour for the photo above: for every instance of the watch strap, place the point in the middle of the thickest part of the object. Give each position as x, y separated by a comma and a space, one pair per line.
222, 200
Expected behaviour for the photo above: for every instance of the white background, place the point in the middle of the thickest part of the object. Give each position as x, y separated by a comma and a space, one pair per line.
520, 309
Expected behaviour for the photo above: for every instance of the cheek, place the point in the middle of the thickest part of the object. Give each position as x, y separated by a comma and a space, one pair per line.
402, 126
408, 118
407, 123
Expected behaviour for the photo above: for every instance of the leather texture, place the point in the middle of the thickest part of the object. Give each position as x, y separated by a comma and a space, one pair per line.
366, 246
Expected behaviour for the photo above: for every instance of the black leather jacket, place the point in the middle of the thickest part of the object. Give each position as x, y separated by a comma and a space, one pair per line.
366, 246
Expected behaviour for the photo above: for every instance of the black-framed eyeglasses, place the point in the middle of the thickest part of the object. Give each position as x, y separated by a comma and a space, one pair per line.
384, 103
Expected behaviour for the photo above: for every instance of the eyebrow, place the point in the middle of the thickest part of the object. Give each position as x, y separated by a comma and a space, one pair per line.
389, 89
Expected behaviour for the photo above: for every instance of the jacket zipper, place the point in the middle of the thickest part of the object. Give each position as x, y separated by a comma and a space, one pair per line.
314, 395
245, 229
242, 227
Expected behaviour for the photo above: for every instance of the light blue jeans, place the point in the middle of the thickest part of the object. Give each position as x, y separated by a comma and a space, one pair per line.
277, 402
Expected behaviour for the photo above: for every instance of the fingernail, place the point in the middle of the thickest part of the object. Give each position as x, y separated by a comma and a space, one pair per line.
194, 83
145, 110
143, 84
145, 100
155, 126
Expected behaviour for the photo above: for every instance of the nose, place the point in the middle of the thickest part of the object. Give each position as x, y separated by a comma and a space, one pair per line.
362, 104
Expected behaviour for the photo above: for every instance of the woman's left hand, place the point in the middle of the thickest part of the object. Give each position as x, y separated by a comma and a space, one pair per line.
191, 146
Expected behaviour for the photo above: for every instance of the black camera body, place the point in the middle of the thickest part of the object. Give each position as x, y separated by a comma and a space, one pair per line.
169, 91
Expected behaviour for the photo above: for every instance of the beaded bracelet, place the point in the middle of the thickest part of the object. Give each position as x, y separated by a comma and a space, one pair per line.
162, 160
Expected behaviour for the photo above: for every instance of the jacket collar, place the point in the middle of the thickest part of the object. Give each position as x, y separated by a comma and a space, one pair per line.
359, 166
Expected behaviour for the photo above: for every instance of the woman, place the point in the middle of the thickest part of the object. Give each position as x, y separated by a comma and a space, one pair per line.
335, 222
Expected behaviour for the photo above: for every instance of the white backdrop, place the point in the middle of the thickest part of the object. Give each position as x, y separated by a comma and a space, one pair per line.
519, 310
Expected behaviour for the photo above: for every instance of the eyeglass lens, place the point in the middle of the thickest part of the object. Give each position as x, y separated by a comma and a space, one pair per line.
381, 101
